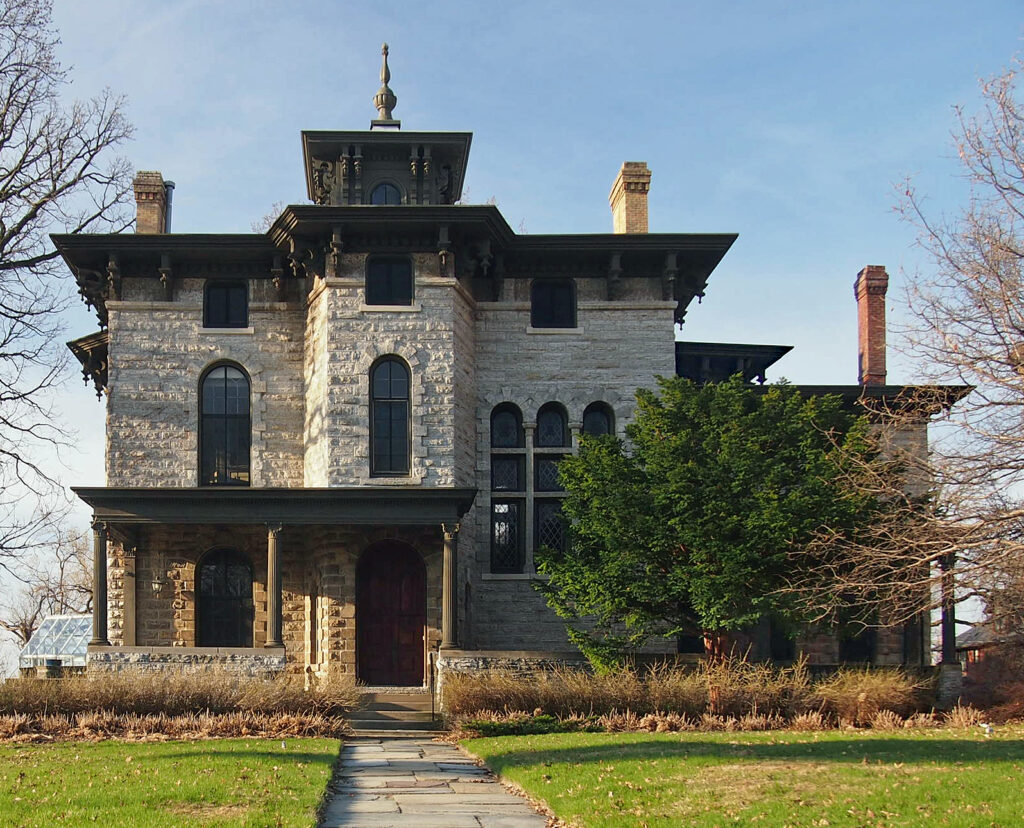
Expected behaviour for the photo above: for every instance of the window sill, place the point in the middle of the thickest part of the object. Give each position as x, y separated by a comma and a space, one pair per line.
553, 331
227, 331
416, 307
513, 576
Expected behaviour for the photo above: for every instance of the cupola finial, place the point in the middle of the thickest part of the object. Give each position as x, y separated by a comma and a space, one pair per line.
385, 99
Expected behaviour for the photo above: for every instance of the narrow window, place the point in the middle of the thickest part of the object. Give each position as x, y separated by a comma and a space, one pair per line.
389, 281
598, 420
225, 305
548, 525
389, 423
553, 304
386, 194
506, 536
225, 606
508, 489
224, 427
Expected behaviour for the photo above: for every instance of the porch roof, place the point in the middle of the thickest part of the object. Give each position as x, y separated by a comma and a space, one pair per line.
363, 506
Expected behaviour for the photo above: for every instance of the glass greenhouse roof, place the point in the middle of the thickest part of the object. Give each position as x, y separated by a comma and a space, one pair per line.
59, 636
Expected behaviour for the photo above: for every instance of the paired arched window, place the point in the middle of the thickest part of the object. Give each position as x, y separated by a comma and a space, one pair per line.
389, 417
386, 193
389, 280
224, 427
225, 605
598, 420
553, 303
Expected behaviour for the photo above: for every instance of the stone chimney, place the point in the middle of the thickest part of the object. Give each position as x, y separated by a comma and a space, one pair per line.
870, 287
152, 202
629, 198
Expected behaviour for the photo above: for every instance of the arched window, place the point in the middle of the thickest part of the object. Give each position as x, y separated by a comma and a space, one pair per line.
225, 305
224, 427
506, 427
598, 419
552, 428
389, 280
225, 606
386, 193
389, 420
553, 303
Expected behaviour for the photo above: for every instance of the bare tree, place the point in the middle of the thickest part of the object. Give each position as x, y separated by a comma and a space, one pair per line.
966, 326
56, 174
58, 581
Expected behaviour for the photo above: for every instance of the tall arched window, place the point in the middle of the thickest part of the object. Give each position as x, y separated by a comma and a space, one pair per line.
389, 418
386, 193
551, 441
598, 419
224, 427
225, 606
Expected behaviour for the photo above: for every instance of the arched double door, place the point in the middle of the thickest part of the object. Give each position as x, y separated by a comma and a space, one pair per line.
391, 615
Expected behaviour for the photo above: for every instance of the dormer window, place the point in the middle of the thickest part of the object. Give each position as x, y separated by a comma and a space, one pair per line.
389, 281
553, 304
225, 305
386, 194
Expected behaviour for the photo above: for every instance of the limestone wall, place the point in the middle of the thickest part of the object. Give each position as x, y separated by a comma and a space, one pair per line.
159, 350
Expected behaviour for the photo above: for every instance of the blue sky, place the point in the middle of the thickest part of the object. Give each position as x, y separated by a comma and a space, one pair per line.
791, 124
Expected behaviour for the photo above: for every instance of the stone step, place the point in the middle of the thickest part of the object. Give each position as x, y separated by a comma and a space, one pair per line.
422, 706
394, 730
391, 715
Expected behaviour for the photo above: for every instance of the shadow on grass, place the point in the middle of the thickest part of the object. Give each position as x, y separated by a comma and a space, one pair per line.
942, 751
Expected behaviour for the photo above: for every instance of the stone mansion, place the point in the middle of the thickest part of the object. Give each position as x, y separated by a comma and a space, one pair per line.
332, 447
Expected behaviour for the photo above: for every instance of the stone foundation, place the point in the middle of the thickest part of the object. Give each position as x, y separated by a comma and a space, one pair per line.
245, 662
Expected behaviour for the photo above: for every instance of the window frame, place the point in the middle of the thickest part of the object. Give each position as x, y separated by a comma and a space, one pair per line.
228, 286
604, 409
388, 296
545, 313
205, 422
390, 471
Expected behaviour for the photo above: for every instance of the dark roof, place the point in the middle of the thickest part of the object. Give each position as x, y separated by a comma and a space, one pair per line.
359, 506
978, 636
486, 248
717, 361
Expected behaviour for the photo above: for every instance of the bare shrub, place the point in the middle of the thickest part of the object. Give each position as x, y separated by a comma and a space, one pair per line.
857, 695
175, 694
810, 720
887, 720
963, 716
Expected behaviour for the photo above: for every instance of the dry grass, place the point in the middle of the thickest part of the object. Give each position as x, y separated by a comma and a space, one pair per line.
730, 695
175, 694
167, 705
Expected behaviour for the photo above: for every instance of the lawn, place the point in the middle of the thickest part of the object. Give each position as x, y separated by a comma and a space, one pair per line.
831, 778
211, 782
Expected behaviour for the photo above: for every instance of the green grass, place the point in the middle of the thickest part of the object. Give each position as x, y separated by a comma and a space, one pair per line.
834, 778
211, 782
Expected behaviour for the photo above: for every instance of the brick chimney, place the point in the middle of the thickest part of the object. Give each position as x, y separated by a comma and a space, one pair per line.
628, 198
870, 287
152, 202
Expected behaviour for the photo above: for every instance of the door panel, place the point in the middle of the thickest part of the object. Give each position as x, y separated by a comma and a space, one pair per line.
391, 611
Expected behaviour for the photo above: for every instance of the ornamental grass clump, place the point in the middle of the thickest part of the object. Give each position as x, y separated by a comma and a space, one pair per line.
858, 695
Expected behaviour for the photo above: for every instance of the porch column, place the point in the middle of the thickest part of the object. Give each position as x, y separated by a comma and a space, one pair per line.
273, 588
99, 584
449, 588
128, 597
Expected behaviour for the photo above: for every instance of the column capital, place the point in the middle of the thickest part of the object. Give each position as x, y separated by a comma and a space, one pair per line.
274, 529
98, 525
450, 530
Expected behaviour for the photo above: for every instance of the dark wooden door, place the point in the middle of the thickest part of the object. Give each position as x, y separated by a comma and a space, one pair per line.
391, 612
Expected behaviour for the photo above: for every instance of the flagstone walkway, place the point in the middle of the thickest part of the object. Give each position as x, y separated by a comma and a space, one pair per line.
412, 782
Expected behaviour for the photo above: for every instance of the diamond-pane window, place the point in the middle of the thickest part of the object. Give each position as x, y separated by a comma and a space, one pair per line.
506, 536
547, 474
551, 427
597, 420
506, 474
506, 429
549, 528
